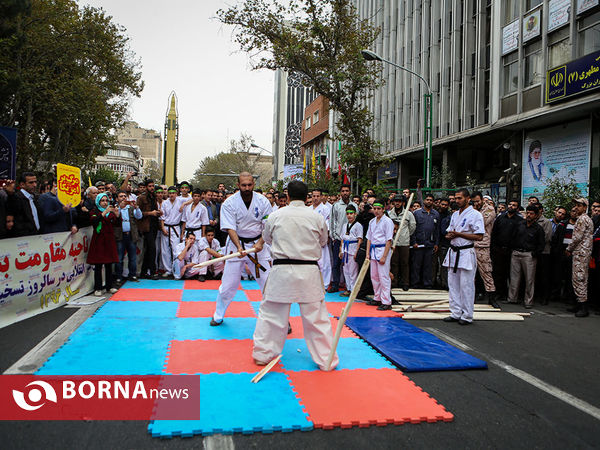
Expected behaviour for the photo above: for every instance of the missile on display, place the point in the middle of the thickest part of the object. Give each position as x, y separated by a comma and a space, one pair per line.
170, 147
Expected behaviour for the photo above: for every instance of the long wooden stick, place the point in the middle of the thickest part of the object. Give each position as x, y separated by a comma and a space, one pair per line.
223, 258
355, 291
263, 372
424, 305
397, 237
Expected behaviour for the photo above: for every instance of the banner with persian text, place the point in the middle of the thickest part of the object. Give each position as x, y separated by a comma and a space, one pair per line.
40, 273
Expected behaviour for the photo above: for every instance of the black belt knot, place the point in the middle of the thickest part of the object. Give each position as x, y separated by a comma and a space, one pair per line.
297, 262
457, 249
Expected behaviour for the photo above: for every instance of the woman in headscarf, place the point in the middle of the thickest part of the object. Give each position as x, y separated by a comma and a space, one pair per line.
103, 247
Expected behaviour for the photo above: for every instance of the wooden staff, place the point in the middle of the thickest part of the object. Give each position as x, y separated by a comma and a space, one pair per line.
397, 237
263, 372
223, 258
424, 305
355, 290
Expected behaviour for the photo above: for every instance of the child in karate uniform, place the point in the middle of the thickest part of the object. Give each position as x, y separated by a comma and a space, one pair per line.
186, 257
210, 248
351, 240
379, 241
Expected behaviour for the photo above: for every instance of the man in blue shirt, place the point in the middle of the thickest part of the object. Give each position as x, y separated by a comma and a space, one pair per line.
127, 236
424, 244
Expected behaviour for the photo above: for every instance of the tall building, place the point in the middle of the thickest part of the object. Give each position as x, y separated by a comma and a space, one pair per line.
515, 90
315, 141
120, 158
148, 142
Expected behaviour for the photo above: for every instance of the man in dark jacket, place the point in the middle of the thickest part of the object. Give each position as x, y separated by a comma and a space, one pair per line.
25, 207
148, 226
424, 244
500, 249
56, 217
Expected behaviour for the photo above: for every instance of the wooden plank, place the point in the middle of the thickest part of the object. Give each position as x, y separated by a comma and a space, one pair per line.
264, 371
418, 291
500, 316
445, 309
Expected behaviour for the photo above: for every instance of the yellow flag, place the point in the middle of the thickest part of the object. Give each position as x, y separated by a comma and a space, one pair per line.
314, 165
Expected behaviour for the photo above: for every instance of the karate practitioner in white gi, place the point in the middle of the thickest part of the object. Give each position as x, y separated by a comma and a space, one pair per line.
380, 235
242, 216
296, 235
170, 226
466, 226
324, 211
209, 248
195, 216
186, 256
351, 241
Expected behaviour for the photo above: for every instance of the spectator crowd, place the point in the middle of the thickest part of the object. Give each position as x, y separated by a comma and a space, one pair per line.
155, 231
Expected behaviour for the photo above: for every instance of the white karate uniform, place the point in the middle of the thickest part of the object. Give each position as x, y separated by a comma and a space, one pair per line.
195, 218
247, 223
202, 245
192, 256
294, 232
378, 234
325, 260
462, 283
349, 249
172, 219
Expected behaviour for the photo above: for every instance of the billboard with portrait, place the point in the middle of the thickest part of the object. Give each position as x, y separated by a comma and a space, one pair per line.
555, 152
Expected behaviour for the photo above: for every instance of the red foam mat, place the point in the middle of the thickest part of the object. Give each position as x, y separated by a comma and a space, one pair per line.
254, 295
359, 310
148, 295
364, 397
208, 284
213, 356
206, 309
298, 331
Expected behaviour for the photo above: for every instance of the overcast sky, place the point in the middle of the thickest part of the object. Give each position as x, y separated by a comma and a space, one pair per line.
184, 48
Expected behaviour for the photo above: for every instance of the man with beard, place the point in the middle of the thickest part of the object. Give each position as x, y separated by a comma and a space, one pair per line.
500, 249
242, 217
482, 248
337, 222
400, 256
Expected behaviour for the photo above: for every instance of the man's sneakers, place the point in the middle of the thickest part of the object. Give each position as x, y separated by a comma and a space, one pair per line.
384, 307
373, 303
113, 290
289, 328
345, 294
331, 289
463, 322
214, 323
460, 321
134, 279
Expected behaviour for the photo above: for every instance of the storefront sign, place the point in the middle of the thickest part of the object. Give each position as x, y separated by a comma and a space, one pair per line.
584, 5
573, 78
510, 37
554, 152
531, 25
558, 13
8, 153
388, 172
40, 273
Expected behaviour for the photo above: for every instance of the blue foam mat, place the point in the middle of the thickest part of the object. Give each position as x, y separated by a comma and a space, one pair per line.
409, 347
335, 297
353, 354
123, 309
250, 285
153, 284
190, 328
230, 403
209, 295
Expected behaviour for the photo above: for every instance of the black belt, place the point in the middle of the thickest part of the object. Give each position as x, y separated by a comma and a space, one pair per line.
457, 249
192, 229
296, 262
257, 266
244, 240
522, 250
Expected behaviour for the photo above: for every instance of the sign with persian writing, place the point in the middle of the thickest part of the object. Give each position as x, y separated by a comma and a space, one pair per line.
574, 78
40, 273
558, 13
68, 184
584, 5
510, 37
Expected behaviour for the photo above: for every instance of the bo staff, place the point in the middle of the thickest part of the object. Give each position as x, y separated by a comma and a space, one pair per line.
264, 371
223, 258
397, 237
355, 290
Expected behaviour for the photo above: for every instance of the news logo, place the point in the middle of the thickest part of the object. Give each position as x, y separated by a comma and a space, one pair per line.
35, 396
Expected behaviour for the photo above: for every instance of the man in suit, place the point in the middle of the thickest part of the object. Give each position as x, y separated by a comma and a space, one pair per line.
25, 207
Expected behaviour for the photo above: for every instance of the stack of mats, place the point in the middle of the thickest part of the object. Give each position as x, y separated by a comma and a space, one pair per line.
161, 327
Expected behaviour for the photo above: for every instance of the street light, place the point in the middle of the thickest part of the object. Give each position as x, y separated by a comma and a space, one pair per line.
253, 145
428, 113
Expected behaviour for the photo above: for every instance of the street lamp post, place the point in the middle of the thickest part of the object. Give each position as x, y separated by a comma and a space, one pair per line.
427, 117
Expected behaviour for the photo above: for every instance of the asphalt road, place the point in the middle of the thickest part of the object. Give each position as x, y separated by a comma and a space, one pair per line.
501, 407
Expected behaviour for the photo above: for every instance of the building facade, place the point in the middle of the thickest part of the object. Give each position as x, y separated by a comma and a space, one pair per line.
315, 141
149, 142
122, 159
490, 66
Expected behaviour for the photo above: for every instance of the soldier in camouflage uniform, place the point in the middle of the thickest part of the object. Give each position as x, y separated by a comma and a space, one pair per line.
581, 249
482, 248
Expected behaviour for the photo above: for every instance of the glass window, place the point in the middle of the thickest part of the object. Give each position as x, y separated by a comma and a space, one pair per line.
316, 117
589, 35
511, 78
533, 64
511, 10
308, 123
559, 53
532, 4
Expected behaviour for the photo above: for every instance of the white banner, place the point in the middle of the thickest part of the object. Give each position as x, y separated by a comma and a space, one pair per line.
555, 151
584, 5
558, 13
40, 273
531, 25
510, 37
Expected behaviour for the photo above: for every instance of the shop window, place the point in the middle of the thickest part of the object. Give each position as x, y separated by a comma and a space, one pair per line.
510, 74
511, 10
559, 48
533, 64
588, 40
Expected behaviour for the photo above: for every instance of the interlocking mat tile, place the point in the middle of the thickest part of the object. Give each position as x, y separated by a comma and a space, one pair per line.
209, 295
359, 310
298, 330
206, 309
153, 284
148, 295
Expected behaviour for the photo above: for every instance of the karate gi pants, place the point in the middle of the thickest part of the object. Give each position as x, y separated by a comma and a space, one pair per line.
272, 327
350, 272
461, 286
382, 284
522, 263
189, 273
167, 247
325, 265
216, 269
232, 274
484, 267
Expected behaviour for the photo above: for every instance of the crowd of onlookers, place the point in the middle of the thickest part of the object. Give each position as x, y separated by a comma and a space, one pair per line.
152, 231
